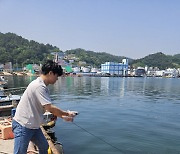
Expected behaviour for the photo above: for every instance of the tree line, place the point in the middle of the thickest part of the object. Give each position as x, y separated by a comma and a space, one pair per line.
159, 60
15, 49
21, 51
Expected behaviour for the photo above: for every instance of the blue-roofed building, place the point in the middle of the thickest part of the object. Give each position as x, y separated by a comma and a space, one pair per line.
113, 68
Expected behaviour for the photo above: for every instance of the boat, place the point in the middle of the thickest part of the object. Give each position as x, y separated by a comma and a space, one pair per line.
9, 99
7, 103
3, 82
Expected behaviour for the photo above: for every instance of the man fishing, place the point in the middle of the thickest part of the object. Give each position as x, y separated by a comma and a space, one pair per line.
29, 113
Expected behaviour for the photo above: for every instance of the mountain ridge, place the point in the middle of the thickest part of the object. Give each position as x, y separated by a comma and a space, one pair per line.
20, 51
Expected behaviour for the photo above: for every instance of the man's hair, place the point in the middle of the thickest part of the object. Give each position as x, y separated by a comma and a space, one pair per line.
49, 65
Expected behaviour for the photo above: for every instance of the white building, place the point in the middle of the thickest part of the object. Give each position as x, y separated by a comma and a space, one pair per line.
94, 70
159, 73
76, 69
115, 68
85, 69
171, 72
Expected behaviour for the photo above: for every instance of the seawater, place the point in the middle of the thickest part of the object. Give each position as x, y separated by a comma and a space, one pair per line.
117, 115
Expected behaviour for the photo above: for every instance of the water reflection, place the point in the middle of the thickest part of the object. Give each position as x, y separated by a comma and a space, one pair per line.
19, 81
113, 86
152, 88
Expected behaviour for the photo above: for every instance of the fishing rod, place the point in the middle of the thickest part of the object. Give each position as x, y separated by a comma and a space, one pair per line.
98, 137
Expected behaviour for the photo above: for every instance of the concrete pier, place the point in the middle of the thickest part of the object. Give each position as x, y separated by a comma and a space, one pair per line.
6, 146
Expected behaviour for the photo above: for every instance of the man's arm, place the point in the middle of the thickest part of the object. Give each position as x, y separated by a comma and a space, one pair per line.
56, 111
66, 115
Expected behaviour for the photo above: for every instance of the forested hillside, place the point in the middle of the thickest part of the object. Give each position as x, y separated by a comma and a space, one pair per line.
94, 58
159, 60
15, 49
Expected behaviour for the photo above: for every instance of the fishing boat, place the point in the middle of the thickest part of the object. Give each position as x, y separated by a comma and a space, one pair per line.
7, 102
3, 82
7, 105
9, 99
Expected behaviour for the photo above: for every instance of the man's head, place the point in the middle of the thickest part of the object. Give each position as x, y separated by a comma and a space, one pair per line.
50, 72
50, 66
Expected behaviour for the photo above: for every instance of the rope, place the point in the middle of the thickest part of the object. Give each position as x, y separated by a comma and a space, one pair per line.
98, 137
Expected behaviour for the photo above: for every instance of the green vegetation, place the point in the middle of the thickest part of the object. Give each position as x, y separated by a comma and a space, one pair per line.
93, 58
159, 60
15, 49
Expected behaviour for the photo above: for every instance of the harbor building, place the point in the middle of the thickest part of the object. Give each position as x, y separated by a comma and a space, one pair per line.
113, 68
140, 71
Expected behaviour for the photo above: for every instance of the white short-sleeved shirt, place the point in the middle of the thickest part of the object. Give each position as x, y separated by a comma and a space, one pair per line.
29, 112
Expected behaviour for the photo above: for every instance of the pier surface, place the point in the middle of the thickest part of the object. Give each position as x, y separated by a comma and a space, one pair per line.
6, 146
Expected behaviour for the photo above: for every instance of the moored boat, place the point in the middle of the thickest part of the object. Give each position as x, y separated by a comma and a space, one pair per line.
3, 82
7, 103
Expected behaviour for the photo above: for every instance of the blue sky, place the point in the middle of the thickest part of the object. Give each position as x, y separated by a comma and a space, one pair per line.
131, 28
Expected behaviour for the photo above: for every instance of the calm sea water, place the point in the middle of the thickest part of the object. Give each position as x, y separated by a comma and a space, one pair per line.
117, 115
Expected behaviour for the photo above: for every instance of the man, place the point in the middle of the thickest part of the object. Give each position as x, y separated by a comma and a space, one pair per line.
29, 113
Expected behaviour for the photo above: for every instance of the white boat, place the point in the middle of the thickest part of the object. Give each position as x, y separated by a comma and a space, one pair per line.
3, 82
5, 98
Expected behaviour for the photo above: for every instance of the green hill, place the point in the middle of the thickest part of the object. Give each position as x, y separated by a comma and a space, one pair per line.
15, 49
159, 60
19, 50
94, 58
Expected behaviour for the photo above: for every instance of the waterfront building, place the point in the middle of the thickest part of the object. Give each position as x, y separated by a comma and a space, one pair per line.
131, 72
113, 68
94, 70
154, 72
151, 73
68, 69
178, 70
7, 67
76, 69
140, 71
159, 73
58, 58
85, 69
170, 72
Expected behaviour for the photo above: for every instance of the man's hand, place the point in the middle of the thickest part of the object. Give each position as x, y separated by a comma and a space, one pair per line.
72, 113
67, 118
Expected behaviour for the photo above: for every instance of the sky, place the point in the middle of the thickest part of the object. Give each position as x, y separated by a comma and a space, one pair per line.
130, 28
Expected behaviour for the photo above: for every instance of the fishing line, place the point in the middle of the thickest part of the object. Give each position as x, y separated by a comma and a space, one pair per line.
98, 137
